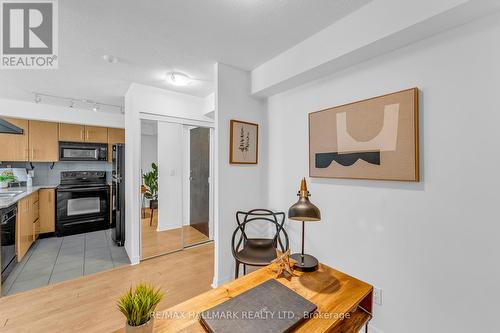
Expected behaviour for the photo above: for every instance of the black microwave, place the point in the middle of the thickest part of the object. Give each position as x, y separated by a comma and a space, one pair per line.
82, 151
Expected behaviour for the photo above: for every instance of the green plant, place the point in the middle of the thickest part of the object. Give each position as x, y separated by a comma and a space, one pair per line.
138, 305
7, 178
151, 182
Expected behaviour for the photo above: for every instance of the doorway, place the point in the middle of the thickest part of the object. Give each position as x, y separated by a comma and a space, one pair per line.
176, 161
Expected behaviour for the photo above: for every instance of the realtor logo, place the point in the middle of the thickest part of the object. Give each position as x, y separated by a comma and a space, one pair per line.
29, 34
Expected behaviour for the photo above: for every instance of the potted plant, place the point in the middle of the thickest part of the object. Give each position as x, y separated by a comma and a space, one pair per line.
6, 178
151, 183
138, 306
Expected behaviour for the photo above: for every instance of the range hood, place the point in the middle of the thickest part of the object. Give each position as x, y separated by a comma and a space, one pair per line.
9, 128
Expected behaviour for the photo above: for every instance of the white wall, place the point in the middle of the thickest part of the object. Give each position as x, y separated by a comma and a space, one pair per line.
433, 247
239, 187
149, 151
57, 113
170, 176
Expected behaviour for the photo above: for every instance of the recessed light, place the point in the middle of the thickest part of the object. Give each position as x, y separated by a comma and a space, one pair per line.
110, 59
178, 79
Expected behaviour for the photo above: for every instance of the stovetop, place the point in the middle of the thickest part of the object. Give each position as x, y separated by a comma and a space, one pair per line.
83, 178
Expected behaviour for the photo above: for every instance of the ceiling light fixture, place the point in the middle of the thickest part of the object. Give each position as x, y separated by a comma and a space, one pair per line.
110, 59
178, 79
77, 102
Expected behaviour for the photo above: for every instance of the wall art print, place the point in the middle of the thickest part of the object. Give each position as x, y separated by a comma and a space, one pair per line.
376, 138
244, 142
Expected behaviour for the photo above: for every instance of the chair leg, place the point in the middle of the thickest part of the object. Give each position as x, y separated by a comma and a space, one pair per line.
237, 270
244, 269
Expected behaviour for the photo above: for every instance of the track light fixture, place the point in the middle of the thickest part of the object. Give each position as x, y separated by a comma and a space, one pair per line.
83, 103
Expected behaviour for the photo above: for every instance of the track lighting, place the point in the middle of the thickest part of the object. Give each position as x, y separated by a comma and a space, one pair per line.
82, 103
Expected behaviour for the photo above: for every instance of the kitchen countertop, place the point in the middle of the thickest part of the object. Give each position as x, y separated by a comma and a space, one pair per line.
24, 192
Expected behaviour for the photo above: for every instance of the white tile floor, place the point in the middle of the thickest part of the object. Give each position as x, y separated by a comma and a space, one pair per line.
54, 259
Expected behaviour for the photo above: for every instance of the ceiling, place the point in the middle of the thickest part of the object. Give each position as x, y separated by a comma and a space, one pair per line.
151, 38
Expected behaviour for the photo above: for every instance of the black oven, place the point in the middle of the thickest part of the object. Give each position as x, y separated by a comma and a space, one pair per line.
82, 151
82, 202
8, 239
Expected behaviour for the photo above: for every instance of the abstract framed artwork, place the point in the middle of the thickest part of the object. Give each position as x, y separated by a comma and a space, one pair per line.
376, 138
244, 142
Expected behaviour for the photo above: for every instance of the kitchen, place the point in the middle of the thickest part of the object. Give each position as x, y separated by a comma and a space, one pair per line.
61, 201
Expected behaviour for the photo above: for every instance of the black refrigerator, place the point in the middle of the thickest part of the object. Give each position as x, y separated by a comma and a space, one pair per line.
118, 195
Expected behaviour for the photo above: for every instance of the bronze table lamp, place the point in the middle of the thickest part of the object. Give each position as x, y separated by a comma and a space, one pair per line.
303, 210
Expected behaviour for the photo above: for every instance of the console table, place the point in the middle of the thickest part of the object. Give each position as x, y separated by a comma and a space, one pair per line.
344, 303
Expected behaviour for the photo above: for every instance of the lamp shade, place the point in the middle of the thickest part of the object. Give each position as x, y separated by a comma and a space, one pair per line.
303, 209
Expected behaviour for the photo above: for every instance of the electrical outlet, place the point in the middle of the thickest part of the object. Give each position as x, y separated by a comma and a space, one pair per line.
377, 295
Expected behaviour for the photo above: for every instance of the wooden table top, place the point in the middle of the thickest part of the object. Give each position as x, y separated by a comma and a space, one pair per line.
335, 294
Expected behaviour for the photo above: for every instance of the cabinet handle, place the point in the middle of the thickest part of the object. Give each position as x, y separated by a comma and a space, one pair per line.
87, 134
82, 134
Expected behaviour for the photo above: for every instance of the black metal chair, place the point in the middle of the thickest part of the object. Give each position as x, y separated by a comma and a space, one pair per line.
257, 251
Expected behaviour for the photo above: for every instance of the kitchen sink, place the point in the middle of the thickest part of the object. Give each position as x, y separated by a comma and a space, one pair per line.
10, 194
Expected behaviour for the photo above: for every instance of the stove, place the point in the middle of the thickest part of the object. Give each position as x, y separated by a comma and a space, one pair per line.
82, 202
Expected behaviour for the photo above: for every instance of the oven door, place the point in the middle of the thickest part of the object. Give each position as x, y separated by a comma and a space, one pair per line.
78, 205
8, 242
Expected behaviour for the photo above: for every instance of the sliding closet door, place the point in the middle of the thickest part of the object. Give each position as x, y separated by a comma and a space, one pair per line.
162, 227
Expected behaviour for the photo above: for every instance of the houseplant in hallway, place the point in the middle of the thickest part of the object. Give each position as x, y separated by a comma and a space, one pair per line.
151, 183
138, 306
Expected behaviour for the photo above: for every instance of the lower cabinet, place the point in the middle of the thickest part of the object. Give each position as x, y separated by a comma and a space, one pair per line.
27, 224
47, 216
24, 232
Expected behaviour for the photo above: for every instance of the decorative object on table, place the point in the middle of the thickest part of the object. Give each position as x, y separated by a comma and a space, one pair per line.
151, 183
303, 210
284, 264
6, 176
244, 142
138, 306
257, 251
376, 138
280, 303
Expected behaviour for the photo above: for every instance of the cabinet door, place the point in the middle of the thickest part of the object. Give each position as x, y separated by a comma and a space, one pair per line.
47, 216
115, 135
43, 141
96, 134
15, 146
24, 228
71, 132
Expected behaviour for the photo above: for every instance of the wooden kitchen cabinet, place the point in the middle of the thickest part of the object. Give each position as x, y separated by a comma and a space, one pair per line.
15, 146
24, 228
71, 132
43, 141
47, 216
96, 134
115, 135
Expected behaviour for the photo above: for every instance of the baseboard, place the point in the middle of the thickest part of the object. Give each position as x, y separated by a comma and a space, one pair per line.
219, 282
372, 329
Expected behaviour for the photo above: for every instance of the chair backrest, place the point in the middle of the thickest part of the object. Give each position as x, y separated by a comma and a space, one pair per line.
244, 218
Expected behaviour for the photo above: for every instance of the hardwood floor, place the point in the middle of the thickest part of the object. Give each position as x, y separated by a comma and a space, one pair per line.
160, 242
88, 304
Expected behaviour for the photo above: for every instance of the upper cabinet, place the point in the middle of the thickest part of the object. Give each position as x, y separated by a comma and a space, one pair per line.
71, 132
82, 133
40, 140
115, 135
15, 146
96, 134
43, 141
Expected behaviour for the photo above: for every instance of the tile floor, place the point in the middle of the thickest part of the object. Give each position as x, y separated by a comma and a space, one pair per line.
52, 260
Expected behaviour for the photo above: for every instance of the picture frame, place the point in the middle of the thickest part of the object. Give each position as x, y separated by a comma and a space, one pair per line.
244, 142
372, 139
